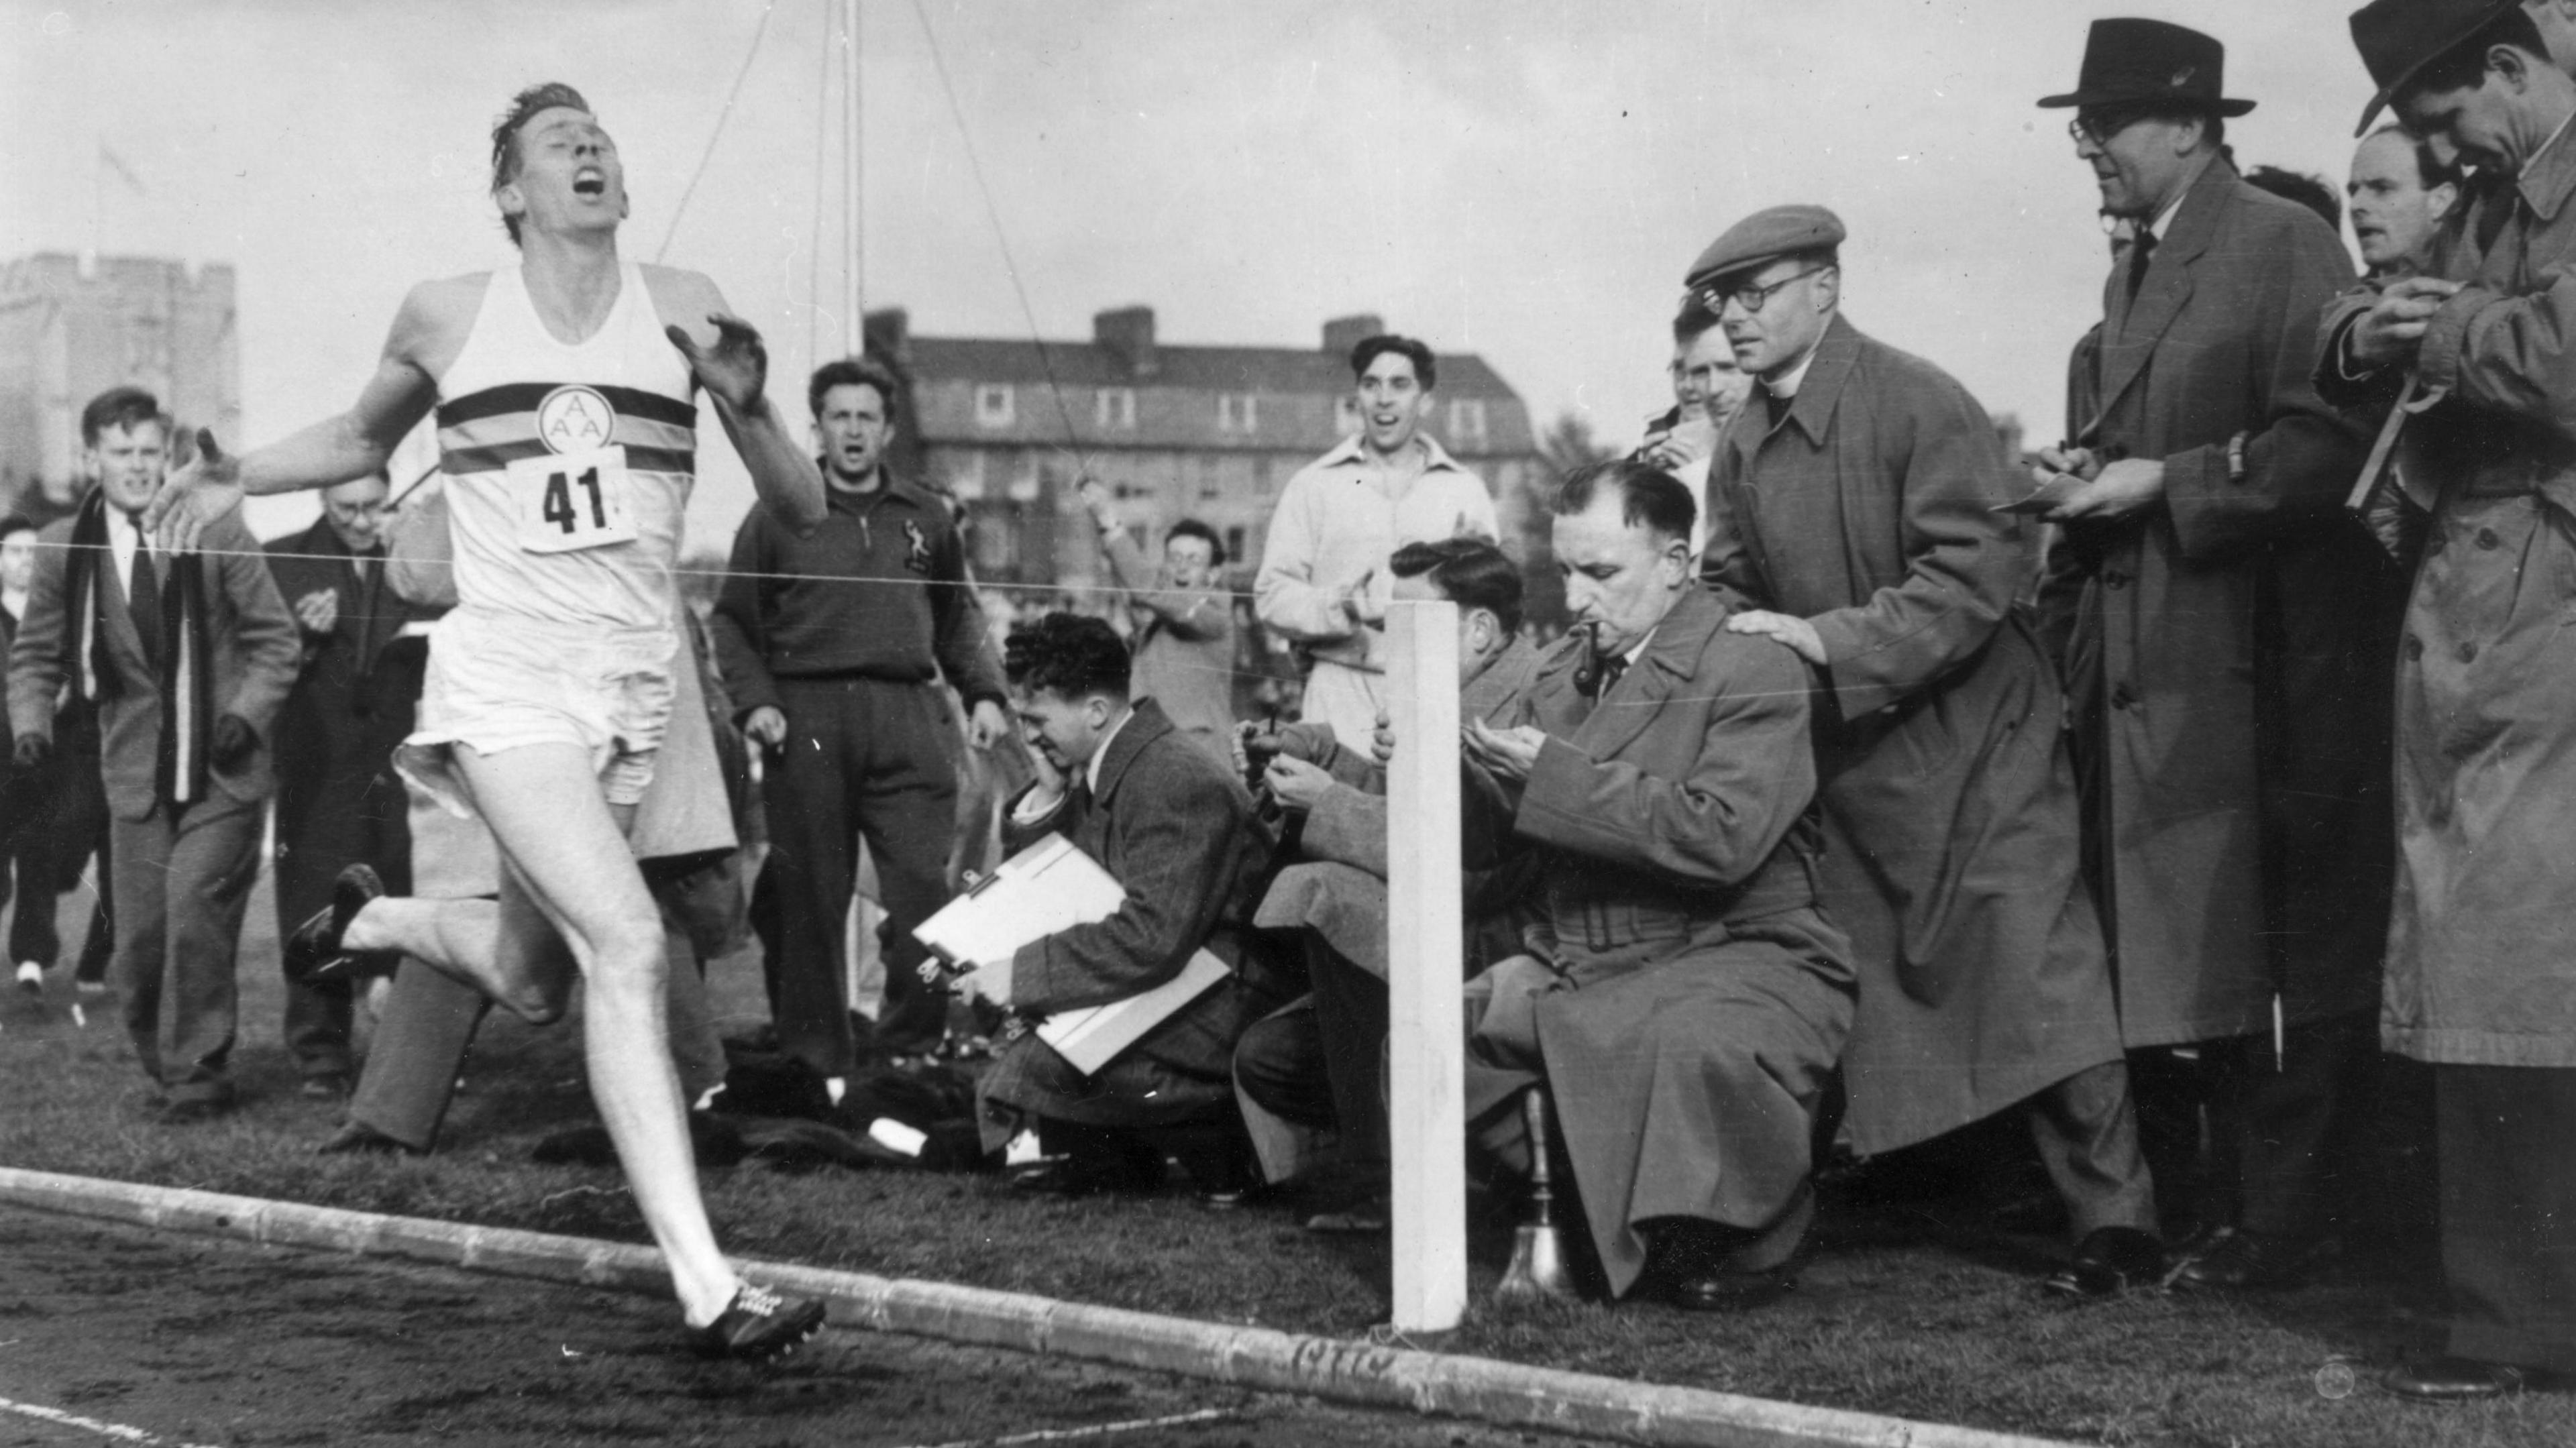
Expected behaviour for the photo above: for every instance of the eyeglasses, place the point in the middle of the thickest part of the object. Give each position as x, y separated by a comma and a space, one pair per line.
1751, 299
2099, 127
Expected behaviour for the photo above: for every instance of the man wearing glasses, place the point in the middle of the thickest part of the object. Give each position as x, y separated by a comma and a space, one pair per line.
2229, 646
1858, 521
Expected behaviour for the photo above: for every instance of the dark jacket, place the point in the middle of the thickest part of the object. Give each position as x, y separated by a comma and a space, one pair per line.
253, 664
878, 590
2228, 650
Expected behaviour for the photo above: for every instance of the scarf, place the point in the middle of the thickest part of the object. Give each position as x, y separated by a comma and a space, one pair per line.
185, 682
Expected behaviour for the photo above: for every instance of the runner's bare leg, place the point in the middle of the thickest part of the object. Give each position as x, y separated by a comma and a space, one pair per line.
506, 948
569, 860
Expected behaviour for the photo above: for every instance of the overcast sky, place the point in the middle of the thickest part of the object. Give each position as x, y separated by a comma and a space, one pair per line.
1525, 181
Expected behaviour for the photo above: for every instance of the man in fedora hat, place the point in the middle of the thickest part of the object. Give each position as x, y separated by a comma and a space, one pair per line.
1855, 520
2481, 952
2226, 636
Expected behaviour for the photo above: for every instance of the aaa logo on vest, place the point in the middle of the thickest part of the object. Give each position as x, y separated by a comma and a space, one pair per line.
575, 419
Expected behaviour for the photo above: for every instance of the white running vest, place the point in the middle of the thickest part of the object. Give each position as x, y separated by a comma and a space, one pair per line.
568, 467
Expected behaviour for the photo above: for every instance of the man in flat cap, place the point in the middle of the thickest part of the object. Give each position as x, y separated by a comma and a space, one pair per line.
2482, 949
1852, 517
2228, 634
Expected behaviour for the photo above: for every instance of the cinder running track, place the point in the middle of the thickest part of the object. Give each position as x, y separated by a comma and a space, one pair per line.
112, 1334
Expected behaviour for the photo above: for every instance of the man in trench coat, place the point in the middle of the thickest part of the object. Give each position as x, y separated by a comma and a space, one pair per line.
1686, 997
1853, 518
2229, 633
2481, 978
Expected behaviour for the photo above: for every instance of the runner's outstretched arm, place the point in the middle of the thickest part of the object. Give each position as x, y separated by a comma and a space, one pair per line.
352, 445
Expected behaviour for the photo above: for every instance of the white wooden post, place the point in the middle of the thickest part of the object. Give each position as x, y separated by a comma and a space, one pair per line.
1426, 1045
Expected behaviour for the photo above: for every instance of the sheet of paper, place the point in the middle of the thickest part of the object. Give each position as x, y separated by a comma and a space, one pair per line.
1048, 887
1092, 1037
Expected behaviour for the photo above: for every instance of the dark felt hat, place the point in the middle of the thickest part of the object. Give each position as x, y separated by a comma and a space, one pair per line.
2397, 38
1764, 237
2135, 62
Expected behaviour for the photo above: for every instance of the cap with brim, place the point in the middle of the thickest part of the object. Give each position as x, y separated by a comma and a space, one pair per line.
1765, 237
2398, 38
2151, 62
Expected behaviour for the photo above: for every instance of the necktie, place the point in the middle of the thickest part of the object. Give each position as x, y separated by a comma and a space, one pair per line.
1611, 668
143, 596
1776, 405
2142, 251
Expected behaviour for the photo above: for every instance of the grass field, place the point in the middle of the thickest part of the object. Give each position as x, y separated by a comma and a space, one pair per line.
1908, 1309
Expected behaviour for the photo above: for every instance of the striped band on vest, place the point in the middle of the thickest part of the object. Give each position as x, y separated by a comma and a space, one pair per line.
487, 431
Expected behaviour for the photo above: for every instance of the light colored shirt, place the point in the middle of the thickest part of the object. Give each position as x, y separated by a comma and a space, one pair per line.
124, 540
1340, 517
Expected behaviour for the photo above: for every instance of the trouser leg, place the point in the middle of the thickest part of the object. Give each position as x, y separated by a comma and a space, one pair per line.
1351, 1017
2509, 1212
2086, 1130
907, 809
1279, 1063
420, 1046
87, 825
30, 810
2171, 1091
319, 833
214, 860
2292, 1120
813, 856
696, 1050
142, 873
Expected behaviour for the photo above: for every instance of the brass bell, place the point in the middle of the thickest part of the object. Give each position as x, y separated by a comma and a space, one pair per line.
1538, 1246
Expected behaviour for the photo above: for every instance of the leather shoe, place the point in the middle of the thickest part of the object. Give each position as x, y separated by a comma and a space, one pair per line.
1076, 1176
356, 1138
314, 953
2455, 1379
195, 1110
2108, 1262
1725, 1289
329, 1086
2249, 1261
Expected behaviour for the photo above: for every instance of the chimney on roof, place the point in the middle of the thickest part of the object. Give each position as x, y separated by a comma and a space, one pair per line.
1127, 334
888, 336
1341, 334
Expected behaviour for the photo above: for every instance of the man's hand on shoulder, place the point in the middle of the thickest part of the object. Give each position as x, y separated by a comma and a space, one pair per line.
1796, 633
203, 491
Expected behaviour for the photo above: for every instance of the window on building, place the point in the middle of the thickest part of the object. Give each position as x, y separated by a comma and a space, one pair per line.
993, 405
1234, 544
1235, 412
1211, 480
967, 474
1467, 421
1262, 475
1114, 409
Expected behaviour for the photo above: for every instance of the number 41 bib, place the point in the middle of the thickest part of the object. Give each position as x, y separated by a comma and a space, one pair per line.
574, 500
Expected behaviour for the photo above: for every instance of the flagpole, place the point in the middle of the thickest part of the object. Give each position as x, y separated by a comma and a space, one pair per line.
853, 304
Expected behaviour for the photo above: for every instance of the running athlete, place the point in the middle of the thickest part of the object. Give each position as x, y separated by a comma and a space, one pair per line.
565, 395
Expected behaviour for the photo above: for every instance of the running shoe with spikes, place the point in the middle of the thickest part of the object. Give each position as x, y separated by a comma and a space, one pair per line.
759, 1325
314, 951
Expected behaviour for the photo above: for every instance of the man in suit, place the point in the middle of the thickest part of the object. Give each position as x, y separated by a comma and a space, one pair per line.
190, 657
1176, 830
1687, 997
52, 816
2229, 641
338, 800
1319, 1063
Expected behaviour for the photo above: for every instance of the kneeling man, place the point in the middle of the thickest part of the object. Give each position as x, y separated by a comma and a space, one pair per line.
1176, 829
1687, 998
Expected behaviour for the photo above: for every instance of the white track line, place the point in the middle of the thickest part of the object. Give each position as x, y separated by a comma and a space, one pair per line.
1095, 1430
117, 1431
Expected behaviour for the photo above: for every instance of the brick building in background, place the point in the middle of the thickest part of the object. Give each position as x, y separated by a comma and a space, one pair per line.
73, 327
1204, 432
